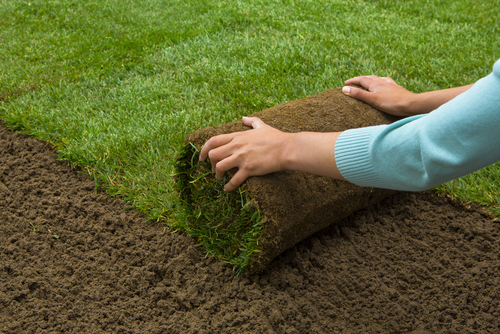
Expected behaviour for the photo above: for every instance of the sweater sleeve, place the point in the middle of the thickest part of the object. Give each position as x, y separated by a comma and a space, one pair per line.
421, 152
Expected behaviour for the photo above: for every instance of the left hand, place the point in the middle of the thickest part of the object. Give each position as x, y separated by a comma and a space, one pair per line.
254, 152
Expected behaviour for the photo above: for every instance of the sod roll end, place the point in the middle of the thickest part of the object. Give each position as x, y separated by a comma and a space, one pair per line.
268, 214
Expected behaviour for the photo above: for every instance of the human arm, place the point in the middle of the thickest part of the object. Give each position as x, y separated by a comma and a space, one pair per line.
386, 95
423, 151
264, 149
415, 153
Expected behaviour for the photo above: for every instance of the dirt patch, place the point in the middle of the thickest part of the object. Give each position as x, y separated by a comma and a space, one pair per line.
413, 263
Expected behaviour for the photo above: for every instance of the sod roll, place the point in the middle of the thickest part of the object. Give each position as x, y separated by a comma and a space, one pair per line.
267, 214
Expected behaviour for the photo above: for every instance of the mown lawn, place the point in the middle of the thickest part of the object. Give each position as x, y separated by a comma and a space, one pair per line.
117, 85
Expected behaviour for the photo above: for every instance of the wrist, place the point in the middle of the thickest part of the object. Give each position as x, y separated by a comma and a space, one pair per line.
287, 157
429, 101
311, 152
412, 105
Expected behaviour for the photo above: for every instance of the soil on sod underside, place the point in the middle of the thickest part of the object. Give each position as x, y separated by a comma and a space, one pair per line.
73, 260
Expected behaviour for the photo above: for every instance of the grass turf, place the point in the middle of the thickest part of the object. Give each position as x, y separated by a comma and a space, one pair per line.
117, 85
227, 224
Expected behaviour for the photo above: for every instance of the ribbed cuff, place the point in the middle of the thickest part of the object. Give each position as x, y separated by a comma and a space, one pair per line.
352, 155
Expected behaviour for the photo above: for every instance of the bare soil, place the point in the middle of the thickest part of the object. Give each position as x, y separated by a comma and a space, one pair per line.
73, 260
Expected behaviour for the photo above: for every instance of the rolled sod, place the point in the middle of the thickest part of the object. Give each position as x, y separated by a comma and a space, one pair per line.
268, 214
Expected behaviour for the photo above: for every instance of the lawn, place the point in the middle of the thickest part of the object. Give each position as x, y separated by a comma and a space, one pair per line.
117, 85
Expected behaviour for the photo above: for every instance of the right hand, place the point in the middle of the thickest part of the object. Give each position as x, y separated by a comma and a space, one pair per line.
383, 93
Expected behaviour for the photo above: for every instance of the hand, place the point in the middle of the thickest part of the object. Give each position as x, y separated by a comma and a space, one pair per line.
383, 93
254, 152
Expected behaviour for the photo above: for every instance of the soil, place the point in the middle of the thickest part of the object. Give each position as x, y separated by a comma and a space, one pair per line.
73, 260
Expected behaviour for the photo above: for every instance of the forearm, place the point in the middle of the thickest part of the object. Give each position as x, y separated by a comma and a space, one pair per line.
312, 152
264, 150
424, 103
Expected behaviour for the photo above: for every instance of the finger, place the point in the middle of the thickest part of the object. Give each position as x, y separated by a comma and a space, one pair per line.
236, 180
254, 122
362, 80
358, 94
221, 157
224, 151
354, 81
224, 165
368, 81
213, 143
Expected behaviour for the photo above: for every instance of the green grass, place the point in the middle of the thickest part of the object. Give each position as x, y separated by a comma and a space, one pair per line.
481, 187
117, 85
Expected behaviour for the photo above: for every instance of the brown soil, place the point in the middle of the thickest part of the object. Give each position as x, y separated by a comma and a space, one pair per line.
413, 263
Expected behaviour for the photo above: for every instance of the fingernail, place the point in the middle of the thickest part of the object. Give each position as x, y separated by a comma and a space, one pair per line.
346, 90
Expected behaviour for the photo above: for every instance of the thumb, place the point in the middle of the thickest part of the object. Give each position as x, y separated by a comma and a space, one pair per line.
357, 93
254, 122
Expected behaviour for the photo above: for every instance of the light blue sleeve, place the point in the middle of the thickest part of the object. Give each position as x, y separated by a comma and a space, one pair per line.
421, 152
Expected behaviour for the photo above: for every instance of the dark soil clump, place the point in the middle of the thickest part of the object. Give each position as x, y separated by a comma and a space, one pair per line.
73, 260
